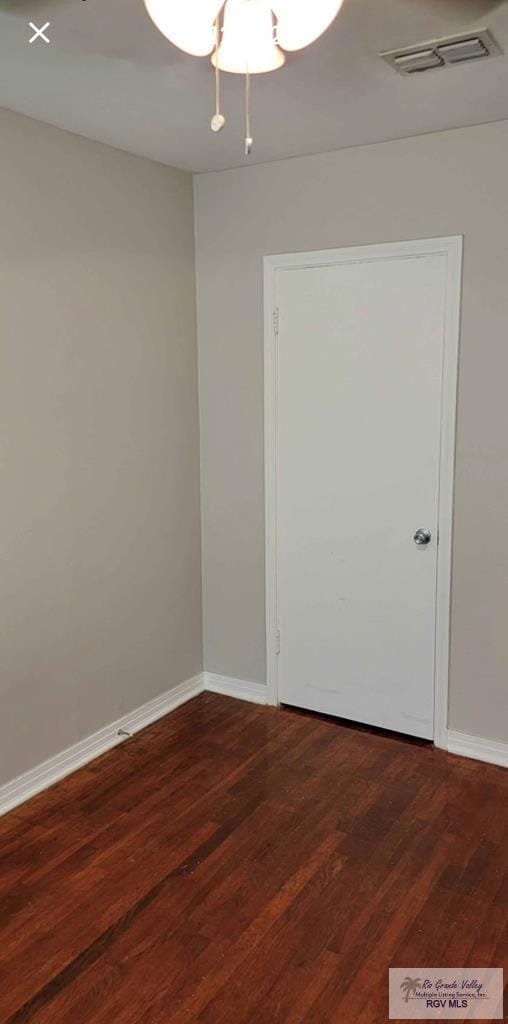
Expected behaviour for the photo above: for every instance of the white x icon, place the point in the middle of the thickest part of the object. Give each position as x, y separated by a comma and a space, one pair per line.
39, 32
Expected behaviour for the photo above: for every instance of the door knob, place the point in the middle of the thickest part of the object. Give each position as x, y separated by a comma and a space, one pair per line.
422, 537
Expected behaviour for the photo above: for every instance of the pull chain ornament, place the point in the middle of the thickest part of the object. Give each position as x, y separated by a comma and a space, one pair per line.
218, 120
249, 141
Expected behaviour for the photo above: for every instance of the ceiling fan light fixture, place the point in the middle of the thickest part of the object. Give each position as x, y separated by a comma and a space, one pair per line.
301, 22
244, 37
248, 41
188, 25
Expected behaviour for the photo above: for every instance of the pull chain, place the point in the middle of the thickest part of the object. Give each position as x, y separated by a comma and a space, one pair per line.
218, 120
249, 141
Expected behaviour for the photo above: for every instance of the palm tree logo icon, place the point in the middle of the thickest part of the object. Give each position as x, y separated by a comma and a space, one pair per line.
409, 986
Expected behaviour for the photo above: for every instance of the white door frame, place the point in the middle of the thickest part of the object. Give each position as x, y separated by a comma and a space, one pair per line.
451, 247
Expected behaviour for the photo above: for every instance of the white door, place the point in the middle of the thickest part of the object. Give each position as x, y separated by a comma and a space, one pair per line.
359, 371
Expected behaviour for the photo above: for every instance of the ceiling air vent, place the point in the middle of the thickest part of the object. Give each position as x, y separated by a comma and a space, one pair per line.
442, 53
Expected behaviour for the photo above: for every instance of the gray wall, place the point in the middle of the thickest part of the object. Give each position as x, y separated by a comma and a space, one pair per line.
445, 184
100, 581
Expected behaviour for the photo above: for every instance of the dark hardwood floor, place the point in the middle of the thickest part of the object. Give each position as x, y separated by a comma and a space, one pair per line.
237, 864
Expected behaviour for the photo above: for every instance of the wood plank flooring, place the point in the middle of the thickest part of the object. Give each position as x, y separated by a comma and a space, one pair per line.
235, 864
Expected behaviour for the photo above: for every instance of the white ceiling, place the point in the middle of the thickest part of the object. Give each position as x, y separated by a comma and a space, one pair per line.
109, 75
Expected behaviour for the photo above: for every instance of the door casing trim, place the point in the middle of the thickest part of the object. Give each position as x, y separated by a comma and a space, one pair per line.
452, 248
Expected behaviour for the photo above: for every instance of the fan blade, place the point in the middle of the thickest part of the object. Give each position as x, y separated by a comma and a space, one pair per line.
11, 6
465, 9
188, 25
300, 22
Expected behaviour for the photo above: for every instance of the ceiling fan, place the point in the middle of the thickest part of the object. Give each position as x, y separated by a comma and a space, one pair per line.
250, 37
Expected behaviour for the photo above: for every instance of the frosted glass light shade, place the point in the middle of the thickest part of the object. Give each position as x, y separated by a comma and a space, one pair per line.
248, 43
301, 22
189, 24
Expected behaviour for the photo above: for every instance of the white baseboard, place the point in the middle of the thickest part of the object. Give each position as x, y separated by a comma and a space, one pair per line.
492, 751
44, 775
256, 693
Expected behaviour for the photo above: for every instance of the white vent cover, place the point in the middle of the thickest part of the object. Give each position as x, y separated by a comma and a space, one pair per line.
442, 53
